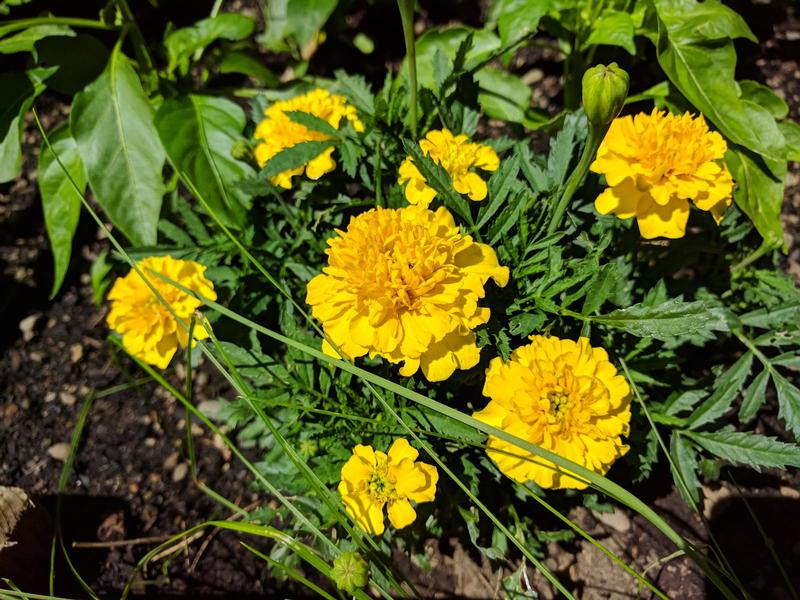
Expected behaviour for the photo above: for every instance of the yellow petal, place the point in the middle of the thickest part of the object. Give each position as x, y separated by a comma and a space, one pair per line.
401, 513
668, 221
400, 450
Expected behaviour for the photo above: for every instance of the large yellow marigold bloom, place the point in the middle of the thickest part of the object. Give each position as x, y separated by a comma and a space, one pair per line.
457, 156
654, 164
372, 479
278, 132
404, 284
564, 396
149, 331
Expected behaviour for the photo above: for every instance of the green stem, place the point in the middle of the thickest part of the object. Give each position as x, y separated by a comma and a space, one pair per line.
25, 23
142, 54
752, 257
407, 17
578, 175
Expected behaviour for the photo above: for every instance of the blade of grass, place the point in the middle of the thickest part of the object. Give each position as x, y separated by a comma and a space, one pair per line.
293, 573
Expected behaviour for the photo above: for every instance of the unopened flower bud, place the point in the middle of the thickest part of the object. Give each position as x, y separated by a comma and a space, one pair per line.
350, 572
604, 92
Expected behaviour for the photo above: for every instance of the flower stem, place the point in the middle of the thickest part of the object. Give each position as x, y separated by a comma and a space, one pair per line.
577, 176
407, 17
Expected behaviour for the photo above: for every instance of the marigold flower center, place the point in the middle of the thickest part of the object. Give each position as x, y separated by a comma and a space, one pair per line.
559, 403
399, 264
379, 486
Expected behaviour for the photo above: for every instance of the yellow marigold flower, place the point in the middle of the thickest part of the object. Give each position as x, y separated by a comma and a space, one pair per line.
279, 132
457, 156
149, 331
654, 164
404, 284
564, 396
372, 479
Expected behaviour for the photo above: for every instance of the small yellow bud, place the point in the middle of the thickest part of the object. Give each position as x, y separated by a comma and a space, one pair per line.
604, 92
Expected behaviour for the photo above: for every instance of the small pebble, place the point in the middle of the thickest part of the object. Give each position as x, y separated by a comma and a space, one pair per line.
59, 451
180, 472
26, 326
75, 353
67, 399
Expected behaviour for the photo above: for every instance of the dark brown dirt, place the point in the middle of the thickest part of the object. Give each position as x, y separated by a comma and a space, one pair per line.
130, 478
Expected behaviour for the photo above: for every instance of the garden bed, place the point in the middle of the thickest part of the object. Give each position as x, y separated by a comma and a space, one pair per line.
131, 477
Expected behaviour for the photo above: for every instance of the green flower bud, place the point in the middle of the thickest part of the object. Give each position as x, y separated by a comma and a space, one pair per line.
350, 572
604, 92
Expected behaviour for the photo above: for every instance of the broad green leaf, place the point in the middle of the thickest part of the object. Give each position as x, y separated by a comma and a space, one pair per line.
613, 28
20, 89
61, 202
503, 95
294, 157
791, 133
298, 20
448, 42
112, 122
25, 40
704, 71
182, 43
673, 318
517, 18
726, 389
79, 59
764, 96
240, 62
759, 191
684, 463
198, 133
754, 396
748, 448
788, 403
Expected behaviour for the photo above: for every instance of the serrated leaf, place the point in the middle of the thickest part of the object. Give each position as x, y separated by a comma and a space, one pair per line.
182, 43
771, 318
754, 396
684, 463
293, 157
313, 122
198, 133
500, 185
437, 178
681, 402
748, 448
726, 389
356, 89
603, 284
61, 202
97, 274
561, 150
112, 123
672, 318
788, 402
